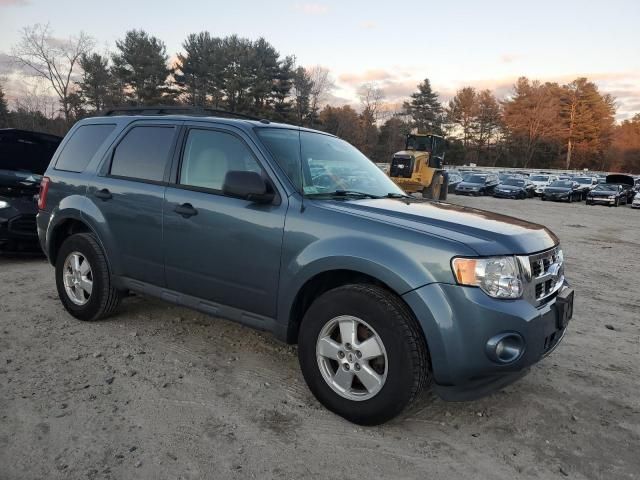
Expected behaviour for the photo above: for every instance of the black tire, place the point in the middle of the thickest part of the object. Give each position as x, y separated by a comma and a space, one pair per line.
408, 365
104, 298
617, 202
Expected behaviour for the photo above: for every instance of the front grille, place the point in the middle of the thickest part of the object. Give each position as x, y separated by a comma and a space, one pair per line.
545, 275
401, 167
23, 225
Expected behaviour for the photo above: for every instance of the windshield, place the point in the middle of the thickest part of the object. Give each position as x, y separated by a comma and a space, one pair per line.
606, 187
514, 181
328, 165
476, 179
583, 180
562, 184
539, 178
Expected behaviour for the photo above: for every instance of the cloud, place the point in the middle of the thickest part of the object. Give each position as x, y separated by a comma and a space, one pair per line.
509, 57
14, 3
368, 25
311, 8
357, 78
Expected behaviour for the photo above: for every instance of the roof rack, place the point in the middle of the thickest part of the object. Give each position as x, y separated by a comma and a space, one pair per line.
172, 110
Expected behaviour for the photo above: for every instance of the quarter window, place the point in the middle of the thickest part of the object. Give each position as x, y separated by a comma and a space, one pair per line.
209, 155
143, 153
82, 146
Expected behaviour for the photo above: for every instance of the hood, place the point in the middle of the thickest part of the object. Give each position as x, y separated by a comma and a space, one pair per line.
469, 184
557, 190
487, 233
602, 193
621, 179
511, 188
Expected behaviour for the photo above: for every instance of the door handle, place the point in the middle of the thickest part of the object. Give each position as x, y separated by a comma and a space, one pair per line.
186, 210
103, 194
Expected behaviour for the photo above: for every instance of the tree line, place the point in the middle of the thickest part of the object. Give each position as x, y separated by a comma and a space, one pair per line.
538, 125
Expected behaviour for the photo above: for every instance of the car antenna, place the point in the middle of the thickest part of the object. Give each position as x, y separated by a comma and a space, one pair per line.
301, 171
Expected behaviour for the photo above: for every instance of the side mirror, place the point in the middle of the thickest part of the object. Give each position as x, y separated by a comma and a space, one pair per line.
247, 186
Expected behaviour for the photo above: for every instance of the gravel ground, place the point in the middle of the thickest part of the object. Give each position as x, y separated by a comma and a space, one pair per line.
160, 392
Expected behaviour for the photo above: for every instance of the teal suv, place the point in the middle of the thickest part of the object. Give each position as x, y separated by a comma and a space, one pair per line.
296, 232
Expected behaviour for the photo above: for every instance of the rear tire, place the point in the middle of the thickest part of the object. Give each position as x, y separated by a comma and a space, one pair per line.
97, 298
402, 369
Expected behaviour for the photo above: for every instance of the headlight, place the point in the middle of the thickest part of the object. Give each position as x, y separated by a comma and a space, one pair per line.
4, 204
498, 277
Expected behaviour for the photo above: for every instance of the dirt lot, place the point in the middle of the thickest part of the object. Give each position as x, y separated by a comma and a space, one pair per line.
163, 392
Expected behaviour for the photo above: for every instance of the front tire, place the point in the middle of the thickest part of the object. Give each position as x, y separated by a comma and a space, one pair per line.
83, 280
362, 353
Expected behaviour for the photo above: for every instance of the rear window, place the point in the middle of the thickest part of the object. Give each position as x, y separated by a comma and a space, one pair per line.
82, 146
143, 153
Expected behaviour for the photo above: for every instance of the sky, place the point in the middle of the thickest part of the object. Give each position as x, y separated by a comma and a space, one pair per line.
396, 44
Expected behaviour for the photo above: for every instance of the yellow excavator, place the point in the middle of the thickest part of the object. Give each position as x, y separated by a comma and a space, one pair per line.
418, 168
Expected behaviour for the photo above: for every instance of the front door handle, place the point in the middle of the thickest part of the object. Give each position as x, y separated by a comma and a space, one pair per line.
103, 194
186, 210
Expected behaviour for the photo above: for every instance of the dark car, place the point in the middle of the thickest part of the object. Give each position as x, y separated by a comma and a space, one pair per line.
627, 182
383, 293
562, 190
585, 185
454, 180
514, 187
24, 156
612, 194
478, 184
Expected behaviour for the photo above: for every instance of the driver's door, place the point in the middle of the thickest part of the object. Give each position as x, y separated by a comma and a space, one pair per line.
218, 248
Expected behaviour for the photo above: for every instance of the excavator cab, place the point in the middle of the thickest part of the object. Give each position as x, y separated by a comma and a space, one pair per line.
419, 167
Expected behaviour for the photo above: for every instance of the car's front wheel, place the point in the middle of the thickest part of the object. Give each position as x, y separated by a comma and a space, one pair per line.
83, 280
362, 353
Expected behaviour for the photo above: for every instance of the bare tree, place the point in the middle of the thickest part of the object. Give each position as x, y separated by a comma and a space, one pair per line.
371, 96
322, 86
53, 59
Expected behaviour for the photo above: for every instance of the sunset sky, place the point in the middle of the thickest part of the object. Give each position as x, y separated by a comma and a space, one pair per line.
394, 43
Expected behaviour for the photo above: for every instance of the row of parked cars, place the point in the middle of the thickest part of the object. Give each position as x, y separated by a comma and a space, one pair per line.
612, 190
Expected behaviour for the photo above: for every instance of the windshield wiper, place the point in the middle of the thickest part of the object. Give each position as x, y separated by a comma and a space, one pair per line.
397, 195
345, 193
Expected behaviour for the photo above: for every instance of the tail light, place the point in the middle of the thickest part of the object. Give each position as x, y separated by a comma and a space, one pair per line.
42, 195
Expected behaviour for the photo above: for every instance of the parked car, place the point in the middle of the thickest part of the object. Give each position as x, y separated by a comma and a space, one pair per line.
382, 292
585, 185
611, 194
542, 181
636, 201
454, 180
513, 187
24, 156
561, 190
478, 184
626, 181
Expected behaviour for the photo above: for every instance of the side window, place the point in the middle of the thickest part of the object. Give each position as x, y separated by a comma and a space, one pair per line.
143, 153
209, 155
82, 146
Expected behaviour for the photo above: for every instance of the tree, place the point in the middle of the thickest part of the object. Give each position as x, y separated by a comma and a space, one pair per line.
625, 154
391, 138
425, 109
52, 59
343, 122
4, 110
323, 84
199, 71
301, 91
587, 118
530, 118
371, 98
488, 121
462, 113
282, 88
98, 88
141, 66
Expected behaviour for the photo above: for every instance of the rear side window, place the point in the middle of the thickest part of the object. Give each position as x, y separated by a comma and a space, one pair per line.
143, 153
82, 146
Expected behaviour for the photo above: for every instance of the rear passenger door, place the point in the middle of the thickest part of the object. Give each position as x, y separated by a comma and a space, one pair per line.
129, 193
226, 250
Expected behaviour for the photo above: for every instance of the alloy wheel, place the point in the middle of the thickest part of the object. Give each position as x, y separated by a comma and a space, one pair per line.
77, 278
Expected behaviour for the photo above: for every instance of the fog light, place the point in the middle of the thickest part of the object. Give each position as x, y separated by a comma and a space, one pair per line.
505, 347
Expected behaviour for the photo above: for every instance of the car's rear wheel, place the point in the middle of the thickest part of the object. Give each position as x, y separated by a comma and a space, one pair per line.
362, 353
83, 280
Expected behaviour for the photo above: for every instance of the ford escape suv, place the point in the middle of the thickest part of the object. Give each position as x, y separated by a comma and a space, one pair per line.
296, 232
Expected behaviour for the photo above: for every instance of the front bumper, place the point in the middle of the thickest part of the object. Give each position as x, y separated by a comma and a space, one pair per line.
19, 233
602, 200
556, 197
506, 194
459, 321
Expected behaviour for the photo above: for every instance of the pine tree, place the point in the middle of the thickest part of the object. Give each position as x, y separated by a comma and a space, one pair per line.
98, 87
302, 87
141, 66
425, 109
4, 110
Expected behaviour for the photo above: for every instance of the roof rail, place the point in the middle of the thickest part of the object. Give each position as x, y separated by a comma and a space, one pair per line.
172, 110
